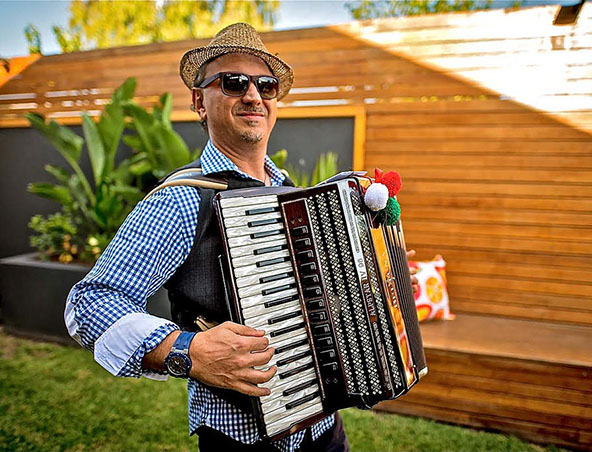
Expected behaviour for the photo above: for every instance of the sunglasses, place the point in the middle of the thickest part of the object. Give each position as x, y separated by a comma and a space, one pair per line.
236, 85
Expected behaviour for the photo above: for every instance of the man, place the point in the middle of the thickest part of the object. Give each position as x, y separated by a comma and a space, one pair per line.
169, 238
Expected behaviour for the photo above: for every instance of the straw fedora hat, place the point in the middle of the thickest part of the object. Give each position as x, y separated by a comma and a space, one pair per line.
235, 38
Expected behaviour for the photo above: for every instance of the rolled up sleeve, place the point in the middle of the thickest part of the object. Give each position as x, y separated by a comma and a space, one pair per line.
106, 311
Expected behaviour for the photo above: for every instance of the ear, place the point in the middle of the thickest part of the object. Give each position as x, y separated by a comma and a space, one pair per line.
198, 104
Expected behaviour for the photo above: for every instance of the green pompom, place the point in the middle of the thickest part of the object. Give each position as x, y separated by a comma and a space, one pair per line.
392, 211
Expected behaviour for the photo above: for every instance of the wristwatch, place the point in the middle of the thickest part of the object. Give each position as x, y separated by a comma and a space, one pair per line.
178, 362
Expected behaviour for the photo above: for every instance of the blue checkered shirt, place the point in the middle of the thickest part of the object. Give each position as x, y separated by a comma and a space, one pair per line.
106, 311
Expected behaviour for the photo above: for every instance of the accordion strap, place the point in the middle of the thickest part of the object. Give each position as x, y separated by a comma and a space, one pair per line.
192, 177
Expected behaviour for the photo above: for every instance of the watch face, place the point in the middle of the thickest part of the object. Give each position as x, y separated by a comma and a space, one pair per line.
178, 365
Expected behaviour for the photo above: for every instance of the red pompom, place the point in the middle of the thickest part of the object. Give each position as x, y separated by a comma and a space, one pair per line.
377, 174
392, 180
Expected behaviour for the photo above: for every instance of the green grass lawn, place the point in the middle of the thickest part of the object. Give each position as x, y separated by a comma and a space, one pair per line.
54, 397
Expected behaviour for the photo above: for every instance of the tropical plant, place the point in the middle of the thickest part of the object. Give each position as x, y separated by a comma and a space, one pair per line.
91, 210
158, 148
325, 167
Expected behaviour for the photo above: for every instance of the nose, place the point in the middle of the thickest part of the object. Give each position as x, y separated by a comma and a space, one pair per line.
252, 95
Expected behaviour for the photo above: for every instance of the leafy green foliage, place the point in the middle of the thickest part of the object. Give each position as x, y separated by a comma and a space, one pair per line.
92, 210
370, 9
325, 167
33, 39
159, 149
100, 24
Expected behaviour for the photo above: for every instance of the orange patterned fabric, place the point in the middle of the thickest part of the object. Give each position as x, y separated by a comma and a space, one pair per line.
432, 300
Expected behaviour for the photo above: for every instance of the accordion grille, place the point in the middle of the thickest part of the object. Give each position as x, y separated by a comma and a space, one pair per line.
344, 293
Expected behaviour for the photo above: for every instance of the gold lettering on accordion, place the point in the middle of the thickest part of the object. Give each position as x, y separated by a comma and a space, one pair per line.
385, 269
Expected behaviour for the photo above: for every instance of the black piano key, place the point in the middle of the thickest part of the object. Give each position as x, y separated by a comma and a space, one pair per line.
291, 359
283, 317
300, 387
254, 224
277, 260
285, 348
271, 304
296, 371
277, 277
262, 210
258, 235
269, 249
303, 400
287, 329
277, 289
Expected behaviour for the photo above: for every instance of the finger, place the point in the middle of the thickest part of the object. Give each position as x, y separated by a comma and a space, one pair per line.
250, 389
243, 330
414, 280
415, 288
261, 358
413, 270
256, 344
410, 253
255, 376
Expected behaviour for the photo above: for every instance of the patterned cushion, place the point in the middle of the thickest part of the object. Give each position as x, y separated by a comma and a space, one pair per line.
431, 300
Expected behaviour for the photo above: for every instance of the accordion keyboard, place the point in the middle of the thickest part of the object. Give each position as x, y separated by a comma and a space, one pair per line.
269, 300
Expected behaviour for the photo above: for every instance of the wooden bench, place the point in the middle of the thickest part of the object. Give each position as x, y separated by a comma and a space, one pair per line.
529, 378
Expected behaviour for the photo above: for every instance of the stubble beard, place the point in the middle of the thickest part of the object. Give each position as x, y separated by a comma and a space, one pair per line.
251, 136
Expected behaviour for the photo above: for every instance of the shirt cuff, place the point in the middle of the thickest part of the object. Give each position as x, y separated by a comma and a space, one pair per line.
121, 348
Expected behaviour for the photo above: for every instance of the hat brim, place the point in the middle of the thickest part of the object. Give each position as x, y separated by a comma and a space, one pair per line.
196, 58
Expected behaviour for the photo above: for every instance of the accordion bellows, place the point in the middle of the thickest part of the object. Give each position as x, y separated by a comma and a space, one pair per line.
332, 291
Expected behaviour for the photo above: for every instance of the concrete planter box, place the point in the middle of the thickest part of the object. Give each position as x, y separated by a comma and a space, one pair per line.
33, 295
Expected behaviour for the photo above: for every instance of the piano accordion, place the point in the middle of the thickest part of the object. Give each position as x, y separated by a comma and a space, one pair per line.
332, 291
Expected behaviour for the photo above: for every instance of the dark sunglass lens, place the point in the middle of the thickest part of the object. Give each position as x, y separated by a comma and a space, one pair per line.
235, 84
268, 87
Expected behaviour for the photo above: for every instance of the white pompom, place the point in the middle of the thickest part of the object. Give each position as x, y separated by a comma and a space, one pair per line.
376, 196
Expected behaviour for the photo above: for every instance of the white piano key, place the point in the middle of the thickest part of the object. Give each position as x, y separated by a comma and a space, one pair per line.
253, 269
248, 291
249, 250
248, 240
245, 230
276, 384
295, 414
239, 201
252, 260
270, 329
259, 299
285, 423
280, 401
280, 341
261, 310
278, 357
243, 221
242, 210
251, 280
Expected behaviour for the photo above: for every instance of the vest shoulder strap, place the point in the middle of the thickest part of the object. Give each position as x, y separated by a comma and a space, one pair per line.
192, 177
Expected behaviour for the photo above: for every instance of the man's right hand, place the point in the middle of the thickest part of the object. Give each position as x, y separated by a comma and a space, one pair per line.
225, 355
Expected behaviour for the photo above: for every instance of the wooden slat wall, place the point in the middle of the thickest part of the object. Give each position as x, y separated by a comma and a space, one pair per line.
486, 115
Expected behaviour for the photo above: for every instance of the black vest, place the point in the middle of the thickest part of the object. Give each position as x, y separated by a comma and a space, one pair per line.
196, 288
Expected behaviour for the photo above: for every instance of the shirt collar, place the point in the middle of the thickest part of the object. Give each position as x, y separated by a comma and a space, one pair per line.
214, 161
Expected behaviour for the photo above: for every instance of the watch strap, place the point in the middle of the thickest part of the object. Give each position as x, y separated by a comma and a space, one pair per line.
183, 341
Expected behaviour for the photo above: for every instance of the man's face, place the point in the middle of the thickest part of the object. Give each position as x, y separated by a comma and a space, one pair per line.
236, 120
